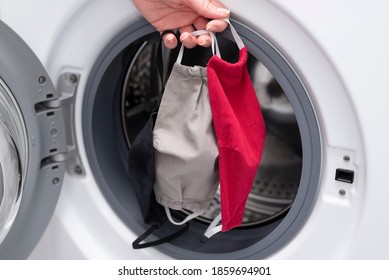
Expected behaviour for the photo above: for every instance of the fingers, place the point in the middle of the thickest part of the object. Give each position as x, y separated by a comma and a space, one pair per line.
210, 9
213, 9
187, 39
170, 40
216, 25
190, 41
206, 9
203, 40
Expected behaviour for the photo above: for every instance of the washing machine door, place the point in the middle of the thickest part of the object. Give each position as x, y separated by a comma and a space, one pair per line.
32, 144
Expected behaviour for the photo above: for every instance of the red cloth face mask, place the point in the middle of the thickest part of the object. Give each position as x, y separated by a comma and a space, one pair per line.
240, 133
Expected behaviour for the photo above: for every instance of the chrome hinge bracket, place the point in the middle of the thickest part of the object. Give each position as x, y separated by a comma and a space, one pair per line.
67, 89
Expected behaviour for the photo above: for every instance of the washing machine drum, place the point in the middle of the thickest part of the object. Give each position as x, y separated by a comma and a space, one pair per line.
32, 144
128, 76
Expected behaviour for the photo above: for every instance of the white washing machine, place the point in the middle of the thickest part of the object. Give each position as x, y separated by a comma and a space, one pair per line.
78, 79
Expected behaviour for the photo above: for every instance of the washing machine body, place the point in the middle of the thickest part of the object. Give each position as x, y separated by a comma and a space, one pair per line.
320, 191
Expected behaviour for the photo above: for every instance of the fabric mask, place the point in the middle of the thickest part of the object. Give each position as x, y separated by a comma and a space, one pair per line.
240, 131
186, 150
141, 172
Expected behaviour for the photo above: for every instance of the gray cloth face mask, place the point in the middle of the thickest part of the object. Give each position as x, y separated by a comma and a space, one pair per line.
186, 152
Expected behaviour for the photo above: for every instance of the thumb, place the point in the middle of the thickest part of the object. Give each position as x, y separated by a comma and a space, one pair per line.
208, 9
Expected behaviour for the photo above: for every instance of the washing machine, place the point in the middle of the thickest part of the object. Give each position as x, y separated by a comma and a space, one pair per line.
79, 78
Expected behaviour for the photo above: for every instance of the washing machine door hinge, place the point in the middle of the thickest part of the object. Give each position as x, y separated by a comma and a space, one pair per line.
67, 89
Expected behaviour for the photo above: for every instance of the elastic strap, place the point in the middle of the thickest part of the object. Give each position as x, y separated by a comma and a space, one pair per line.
214, 227
235, 35
160, 65
138, 245
187, 219
165, 67
214, 44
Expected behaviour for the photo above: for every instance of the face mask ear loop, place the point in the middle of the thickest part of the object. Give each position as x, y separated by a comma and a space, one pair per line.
214, 46
214, 227
235, 35
140, 243
187, 219
180, 55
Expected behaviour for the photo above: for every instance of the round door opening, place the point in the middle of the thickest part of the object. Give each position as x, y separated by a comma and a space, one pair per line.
126, 84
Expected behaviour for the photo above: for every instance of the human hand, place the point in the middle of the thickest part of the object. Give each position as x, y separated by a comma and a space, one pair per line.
186, 16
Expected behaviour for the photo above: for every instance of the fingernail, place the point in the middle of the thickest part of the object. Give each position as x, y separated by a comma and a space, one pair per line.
209, 27
204, 43
170, 39
183, 38
223, 11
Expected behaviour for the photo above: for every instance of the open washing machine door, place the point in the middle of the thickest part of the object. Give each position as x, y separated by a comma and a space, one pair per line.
33, 147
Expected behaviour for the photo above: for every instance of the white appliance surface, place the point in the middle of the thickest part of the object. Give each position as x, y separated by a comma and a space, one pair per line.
339, 50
